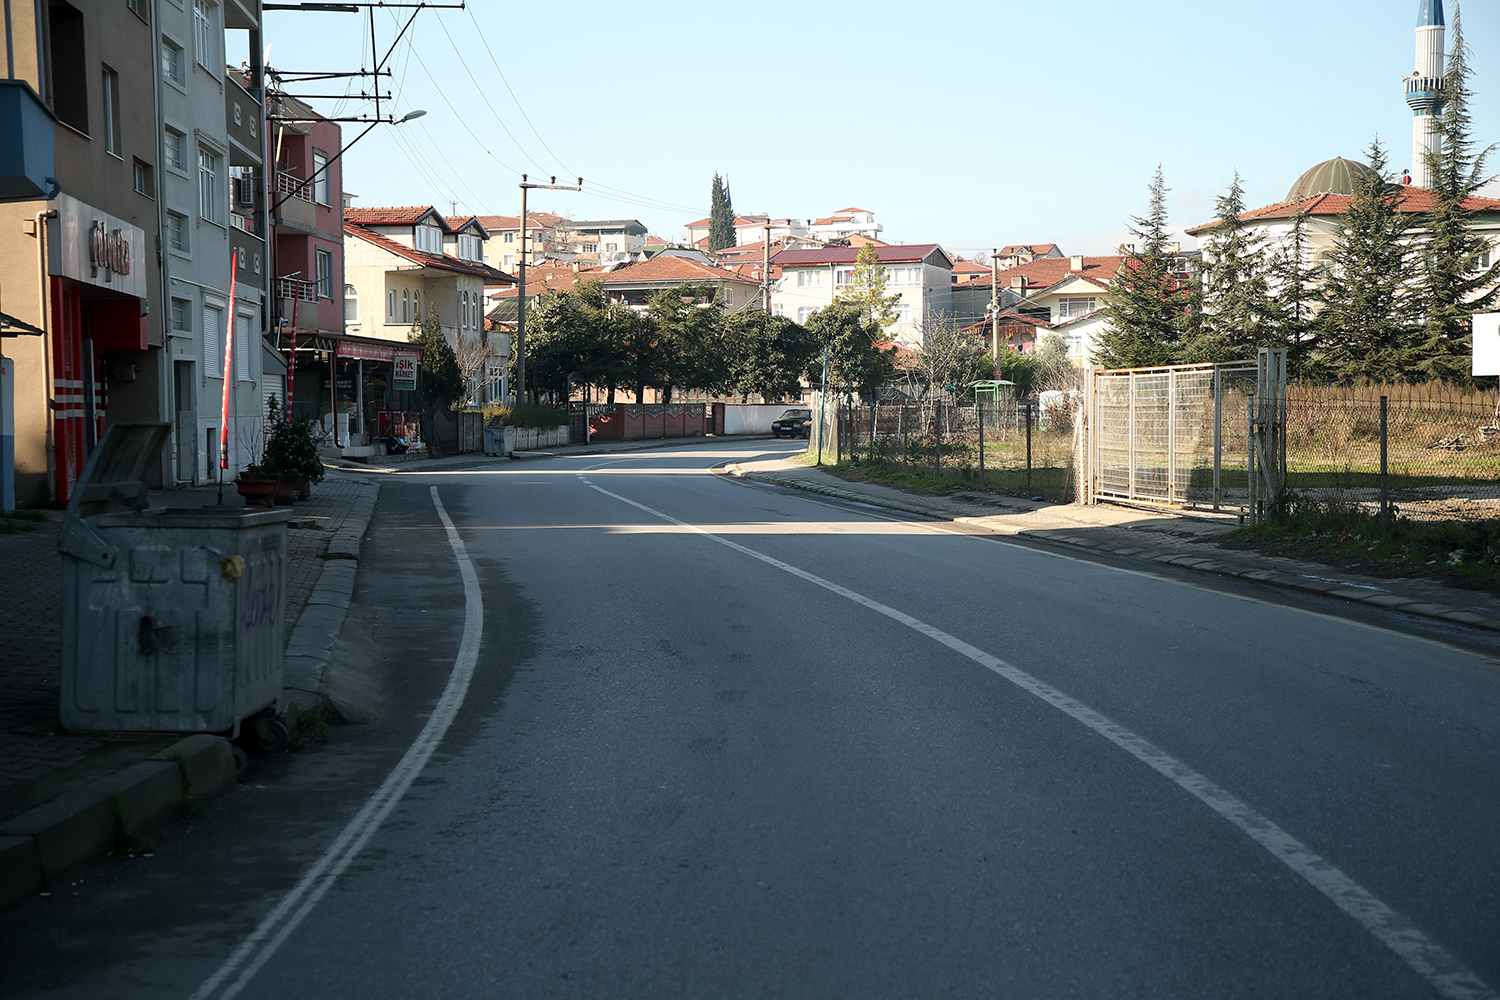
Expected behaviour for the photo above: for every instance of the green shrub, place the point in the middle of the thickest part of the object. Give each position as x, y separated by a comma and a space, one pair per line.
527, 415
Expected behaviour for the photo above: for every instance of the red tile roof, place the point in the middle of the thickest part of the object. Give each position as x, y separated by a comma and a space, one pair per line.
1044, 272
447, 262
534, 220
1035, 249
408, 215
1413, 199
887, 254
665, 269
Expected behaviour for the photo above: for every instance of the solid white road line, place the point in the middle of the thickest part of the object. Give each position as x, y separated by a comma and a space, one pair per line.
1428, 959
263, 942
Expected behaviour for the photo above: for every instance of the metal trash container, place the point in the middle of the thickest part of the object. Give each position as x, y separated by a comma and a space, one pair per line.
172, 617
494, 437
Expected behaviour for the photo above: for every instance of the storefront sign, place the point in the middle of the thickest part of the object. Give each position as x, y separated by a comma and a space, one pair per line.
96, 248
405, 377
370, 352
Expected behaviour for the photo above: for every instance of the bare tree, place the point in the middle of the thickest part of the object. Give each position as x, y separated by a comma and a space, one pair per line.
949, 356
478, 367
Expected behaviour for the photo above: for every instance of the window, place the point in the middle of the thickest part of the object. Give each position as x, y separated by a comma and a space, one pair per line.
416, 306
141, 8
351, 304
177, 232
390, 305
213, 341
143, 180
171, 61
843, 276
182, 322
320, 178
405, 306
468, 247
67, 76
611, 247
429, 239
507, 237
175, 143
205, 35
509, 260
1485, 260
903, 275
211, 197
1069, 308
903, 313
809, 279
463, 309
111, 96
241, 345
325, 273
805, 311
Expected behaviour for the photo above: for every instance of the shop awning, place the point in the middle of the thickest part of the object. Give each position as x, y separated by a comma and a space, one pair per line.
348, 346
12, 327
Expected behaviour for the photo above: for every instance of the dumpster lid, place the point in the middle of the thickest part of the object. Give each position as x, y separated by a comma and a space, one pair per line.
114, 478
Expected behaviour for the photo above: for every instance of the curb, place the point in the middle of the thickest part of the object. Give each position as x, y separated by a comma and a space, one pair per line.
1200, 564
113, 813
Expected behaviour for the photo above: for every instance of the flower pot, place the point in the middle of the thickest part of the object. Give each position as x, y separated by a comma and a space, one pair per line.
257, 492
304, 489
285, 490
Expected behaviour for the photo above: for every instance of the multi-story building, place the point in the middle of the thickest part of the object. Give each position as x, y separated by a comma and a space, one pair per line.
503, 250
921, 275
843, 224
80, 267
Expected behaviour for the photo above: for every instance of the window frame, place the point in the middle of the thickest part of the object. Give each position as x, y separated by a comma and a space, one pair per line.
184, 247
110, 98
207, 37
324, 275
174, 59
213, 195
322, 189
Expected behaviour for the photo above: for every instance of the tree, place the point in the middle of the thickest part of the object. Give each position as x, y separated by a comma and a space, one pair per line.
441, 380
1452, 286
689, 350
949, 356
866, 290
767, 355
476, 369
1232, 297
1292, 282
720, 217
1366, 327
1054, 370
856, 366
1148, 303
568, 341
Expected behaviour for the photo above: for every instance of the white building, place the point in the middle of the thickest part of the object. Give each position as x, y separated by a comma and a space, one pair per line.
844, 223
921, 275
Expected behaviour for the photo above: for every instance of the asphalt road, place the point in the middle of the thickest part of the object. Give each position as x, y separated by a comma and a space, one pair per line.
725, 741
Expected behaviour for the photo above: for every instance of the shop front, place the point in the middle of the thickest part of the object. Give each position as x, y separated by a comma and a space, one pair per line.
358, 392
98, 308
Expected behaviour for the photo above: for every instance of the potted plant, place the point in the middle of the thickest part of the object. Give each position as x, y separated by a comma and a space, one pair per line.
256, 485
291, 454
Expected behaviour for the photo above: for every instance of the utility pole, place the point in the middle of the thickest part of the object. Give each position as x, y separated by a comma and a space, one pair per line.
521, 276
995, 303
765, 271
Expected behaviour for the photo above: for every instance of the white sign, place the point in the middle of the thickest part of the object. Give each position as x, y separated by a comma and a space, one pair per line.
96, 247
405, 375
1486, 344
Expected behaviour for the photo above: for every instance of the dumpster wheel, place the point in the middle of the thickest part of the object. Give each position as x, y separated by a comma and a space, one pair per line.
241, 761
271, 733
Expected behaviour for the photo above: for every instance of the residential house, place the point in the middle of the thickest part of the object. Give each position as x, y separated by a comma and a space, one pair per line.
1025, 253
599, 241
843, 224
395, 261
921, 275
503, 250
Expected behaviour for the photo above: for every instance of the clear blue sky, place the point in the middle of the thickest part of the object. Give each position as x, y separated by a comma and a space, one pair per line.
971, 125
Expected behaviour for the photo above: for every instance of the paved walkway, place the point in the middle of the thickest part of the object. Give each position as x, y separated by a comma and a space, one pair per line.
1180, 539
38, 760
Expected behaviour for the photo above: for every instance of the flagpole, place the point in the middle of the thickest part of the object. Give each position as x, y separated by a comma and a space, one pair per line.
234, 263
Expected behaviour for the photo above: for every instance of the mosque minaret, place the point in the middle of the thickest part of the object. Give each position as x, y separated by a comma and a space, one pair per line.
1426, 89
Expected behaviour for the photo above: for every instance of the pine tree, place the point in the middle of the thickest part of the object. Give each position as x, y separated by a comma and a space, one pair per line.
866, 290
1452, 286
1293, 287
856, 367
442, 382
1235, 311
1148, 308
720, 217
1366, 328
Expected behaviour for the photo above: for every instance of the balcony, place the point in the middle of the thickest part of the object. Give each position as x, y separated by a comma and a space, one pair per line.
26, 165
296, 208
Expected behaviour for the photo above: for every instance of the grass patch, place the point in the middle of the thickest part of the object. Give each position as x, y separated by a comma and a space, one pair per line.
29, 514
314, 724
1042, 482
1342, 532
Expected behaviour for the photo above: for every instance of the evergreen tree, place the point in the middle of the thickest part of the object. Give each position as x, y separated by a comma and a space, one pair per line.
720, 217
1233, 307
866, 290
1452, 286
1149, 305
1366, 327
856, 367
442, 382
689, 339
768, 355
1293, 286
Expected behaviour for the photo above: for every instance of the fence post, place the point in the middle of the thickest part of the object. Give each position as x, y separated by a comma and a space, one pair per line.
1254, 474
1218, 432
979, 412
1030, 415
872, 433
1385, 487
905, 450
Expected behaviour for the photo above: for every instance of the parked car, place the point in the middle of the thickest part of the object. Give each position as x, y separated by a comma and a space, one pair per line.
793, 423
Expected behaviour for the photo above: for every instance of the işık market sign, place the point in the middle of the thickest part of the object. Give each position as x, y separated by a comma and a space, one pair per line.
405, 375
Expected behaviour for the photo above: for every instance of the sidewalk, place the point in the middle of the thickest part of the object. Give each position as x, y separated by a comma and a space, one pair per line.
1185, 539
66, 798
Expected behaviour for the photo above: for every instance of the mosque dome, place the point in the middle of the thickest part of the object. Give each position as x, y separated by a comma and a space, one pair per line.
1335, 176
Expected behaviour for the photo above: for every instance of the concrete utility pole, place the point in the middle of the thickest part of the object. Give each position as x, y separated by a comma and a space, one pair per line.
995, 303
765, 272
521, 276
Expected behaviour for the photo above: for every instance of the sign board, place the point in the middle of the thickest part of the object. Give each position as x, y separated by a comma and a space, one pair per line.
405, 377
1486, 344
96, 248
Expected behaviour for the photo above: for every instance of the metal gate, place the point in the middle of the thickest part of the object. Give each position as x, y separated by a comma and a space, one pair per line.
1207, 436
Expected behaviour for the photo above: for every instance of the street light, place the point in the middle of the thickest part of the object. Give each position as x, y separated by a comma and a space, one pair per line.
409, 116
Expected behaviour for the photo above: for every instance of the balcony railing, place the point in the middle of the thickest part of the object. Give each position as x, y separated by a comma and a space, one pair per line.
288, 184
294, 288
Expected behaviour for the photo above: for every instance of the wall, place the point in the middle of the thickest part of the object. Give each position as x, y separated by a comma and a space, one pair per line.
752, 419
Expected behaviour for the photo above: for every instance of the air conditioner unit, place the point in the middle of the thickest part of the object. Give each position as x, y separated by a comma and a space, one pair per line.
244, 191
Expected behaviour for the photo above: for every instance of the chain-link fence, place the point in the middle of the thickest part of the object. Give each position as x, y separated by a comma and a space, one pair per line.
1010, 447
1438, 447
